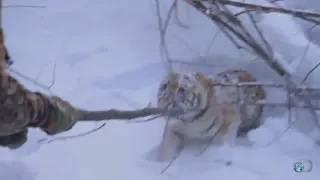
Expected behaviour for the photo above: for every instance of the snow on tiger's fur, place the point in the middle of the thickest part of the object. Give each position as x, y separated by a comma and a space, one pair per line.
203, 119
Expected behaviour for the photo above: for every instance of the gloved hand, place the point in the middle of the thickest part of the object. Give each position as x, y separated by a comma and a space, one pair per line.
62, 123
61, 116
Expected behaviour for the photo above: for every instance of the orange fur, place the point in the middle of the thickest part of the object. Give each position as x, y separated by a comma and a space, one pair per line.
219, 122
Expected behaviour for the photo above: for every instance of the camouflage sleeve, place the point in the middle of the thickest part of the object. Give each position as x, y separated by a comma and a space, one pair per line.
53, 116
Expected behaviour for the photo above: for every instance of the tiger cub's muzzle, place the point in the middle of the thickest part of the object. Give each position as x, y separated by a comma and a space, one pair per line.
188, 101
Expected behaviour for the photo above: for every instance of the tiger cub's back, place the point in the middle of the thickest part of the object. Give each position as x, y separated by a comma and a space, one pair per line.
250, 114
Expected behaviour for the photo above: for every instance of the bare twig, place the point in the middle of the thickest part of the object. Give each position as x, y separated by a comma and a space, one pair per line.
171, 162
146, 120
42, 86
309, 73
211, 140
244, 12
167, 20
282, 133
53, 76
308, 45
176, 13
212, 41
266, 43
163, 48
179, 150
305, 53
62, 138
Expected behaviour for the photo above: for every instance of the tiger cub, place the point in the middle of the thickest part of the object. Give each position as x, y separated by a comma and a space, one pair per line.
203, 119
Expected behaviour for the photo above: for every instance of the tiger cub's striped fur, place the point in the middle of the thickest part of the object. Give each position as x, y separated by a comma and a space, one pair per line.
203, 118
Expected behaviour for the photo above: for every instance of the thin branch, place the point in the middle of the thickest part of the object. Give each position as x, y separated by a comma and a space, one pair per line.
146, 120
167, 20
176, 13
163, 48
212, 41
282, 133
53, 75
179, 150
269, 49
42, 86
244, 12
307, 46
309, 73
171, 162
211, 140
62, 138
305, 53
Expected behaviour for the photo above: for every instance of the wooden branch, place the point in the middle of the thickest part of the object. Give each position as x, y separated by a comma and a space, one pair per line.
111, 114
114, 114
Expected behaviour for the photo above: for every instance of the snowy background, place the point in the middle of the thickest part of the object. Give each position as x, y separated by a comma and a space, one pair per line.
107, 56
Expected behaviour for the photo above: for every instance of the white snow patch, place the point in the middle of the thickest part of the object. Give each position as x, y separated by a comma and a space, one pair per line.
105, 49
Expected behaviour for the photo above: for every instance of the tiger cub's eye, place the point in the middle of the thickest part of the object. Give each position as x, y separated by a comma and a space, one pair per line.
181, 90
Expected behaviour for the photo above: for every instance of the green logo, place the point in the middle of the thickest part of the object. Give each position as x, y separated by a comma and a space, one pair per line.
303, 166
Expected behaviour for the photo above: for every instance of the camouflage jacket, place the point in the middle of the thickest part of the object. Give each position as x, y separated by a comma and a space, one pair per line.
21, 108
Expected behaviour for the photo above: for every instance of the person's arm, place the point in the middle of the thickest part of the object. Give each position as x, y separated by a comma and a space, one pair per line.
55, 115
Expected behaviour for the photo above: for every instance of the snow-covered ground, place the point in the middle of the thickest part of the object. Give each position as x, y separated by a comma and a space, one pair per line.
107, 56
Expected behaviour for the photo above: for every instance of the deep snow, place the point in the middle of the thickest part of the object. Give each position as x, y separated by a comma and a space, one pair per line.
107, 56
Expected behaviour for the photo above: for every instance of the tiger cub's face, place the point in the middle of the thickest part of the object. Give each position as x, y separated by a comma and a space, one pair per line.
187, 91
